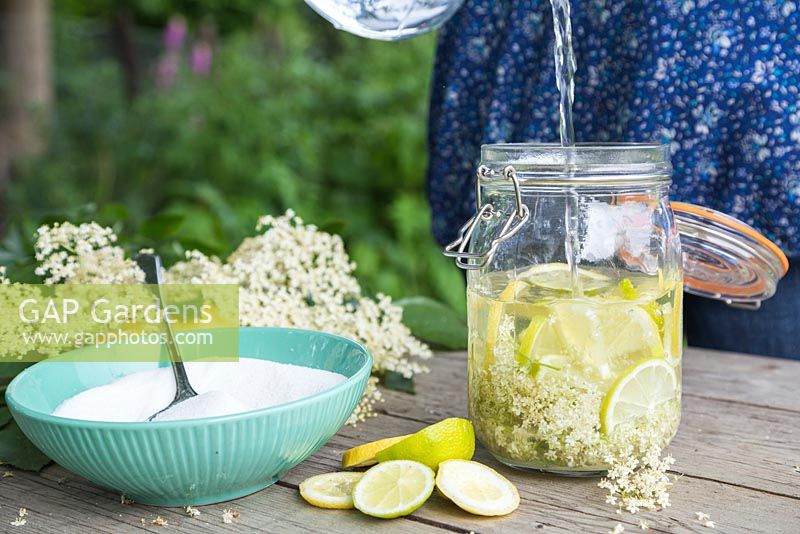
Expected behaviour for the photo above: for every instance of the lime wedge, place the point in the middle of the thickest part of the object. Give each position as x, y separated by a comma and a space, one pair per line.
476, 488
638, 392
445, 440
557, 277
393, 489
331, 490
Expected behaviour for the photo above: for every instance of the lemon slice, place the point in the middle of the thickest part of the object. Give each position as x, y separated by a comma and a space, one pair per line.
476, 488
495, 315
364, 455
446, 440
557, 277
393, 489
607, 337
331, 490
638, 392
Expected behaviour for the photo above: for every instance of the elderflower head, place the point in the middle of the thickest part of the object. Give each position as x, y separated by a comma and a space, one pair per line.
228, 515
294, 275
83, 254
291, 274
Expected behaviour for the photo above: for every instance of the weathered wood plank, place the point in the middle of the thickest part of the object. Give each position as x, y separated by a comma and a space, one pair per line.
741, 378
578, 504
76, 505
736, 443
738, 454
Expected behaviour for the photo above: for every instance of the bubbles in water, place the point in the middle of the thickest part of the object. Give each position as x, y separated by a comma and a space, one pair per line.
387, 20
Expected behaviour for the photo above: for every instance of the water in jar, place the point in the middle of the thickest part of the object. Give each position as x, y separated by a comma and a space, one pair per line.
561, 382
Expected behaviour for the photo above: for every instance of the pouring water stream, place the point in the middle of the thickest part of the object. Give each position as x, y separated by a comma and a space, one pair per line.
565, 67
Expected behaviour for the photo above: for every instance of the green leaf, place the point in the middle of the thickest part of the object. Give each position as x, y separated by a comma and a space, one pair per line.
162, 226
434, 322
17, 450
112, 213
397, 382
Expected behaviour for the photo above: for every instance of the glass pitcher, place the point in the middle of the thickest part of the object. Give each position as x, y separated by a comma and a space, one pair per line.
386, 20
575, 283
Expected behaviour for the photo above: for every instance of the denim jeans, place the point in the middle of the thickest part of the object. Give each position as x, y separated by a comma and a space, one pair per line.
772, 330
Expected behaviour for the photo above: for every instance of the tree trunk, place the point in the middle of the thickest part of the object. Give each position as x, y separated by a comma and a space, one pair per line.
26, 90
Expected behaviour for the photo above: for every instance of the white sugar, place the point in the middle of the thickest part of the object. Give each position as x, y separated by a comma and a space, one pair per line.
210, 404
223, 388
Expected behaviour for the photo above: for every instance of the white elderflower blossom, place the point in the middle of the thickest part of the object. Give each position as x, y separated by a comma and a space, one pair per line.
291, 275
228, 515
83, 254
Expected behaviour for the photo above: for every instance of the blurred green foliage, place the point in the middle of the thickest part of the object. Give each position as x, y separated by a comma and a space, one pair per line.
293, 115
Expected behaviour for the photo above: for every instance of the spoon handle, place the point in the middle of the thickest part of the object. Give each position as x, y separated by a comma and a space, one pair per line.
151, 265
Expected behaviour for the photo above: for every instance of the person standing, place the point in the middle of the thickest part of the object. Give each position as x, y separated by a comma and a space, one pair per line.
719, 80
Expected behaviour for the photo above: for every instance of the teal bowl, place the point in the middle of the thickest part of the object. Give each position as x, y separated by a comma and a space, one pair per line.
199, 461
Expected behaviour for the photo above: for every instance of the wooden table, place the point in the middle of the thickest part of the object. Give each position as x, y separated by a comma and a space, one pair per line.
737, 450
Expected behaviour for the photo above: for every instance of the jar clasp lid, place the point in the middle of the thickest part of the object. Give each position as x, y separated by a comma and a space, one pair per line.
512, 225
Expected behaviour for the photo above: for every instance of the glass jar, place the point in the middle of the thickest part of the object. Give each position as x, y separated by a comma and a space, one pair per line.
574, 304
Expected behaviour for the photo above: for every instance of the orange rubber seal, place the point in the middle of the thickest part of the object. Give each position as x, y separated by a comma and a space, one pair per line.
732, 223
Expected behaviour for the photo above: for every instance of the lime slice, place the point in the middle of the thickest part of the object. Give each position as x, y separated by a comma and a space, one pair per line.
557, 277
638, 392
446, 440
539, 338
364, 455
607, 337
394, 489
476, 488
331, 490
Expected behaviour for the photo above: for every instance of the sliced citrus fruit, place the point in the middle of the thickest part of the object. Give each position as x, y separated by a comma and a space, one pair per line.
331, 490
476, 488
638, 392
557, 277
393, 489
540, 337
607, 337
446, 440
364, 455
495, 315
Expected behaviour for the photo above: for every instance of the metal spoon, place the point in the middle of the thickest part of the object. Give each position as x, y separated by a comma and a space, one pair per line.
151, 265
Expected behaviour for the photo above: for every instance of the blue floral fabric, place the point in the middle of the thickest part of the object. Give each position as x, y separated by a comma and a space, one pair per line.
717, 79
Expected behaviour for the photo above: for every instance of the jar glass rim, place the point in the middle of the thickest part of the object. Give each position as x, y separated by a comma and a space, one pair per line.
594, 162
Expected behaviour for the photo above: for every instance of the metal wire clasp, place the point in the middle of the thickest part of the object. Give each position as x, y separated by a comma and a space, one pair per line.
512, 225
